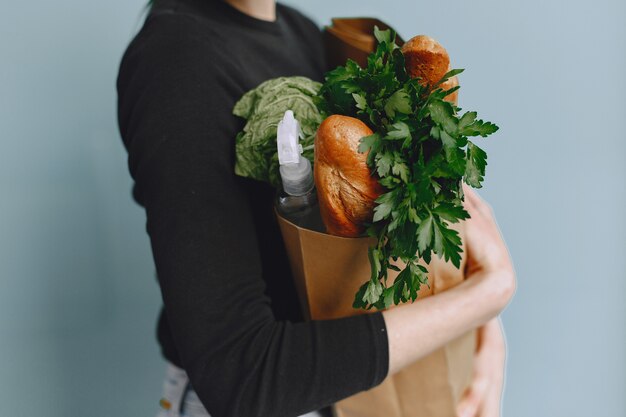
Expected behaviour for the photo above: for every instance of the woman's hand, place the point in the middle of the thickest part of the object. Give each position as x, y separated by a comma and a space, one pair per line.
487, 258
417, 329
487, 254
482, 398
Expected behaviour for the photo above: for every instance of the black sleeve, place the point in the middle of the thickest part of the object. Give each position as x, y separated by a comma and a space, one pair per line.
174, 106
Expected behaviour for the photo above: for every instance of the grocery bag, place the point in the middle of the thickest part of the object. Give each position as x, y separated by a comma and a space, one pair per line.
431, 386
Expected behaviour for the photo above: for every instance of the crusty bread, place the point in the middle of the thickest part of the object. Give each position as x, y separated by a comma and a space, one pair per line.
346, 189
425, 58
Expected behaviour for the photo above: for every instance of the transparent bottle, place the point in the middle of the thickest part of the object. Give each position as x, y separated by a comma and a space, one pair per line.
297, 200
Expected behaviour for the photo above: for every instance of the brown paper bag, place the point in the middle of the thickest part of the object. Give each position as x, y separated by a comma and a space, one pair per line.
430, 387
351, 38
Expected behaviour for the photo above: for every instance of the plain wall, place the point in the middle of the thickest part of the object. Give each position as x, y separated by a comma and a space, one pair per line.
79, 300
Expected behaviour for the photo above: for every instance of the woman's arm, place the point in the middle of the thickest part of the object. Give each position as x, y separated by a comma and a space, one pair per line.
417, 329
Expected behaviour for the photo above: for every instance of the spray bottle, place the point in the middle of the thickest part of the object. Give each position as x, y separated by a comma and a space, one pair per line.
297, 201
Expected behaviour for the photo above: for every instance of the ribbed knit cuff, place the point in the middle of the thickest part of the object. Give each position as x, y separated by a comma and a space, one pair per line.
381, 345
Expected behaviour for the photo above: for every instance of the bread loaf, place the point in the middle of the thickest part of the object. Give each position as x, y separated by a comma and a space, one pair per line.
427, 60
346, 189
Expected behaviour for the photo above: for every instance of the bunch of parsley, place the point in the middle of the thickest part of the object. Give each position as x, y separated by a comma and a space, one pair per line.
421, 153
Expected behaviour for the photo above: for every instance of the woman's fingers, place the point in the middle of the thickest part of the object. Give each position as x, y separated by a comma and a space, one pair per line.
486, 247
476, 201
491, 405
490, 361
474, 396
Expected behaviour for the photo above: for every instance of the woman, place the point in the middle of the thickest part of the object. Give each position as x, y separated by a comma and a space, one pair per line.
231, 327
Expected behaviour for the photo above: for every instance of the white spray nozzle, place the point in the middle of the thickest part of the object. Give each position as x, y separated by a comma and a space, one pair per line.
295, 172
289, 149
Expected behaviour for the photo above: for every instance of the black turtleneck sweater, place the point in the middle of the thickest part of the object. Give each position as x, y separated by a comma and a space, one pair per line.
230, 316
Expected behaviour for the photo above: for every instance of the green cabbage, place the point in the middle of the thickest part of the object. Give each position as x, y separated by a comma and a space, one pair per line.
263, 107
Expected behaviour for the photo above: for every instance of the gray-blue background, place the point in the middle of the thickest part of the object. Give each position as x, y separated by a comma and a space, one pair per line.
78, 297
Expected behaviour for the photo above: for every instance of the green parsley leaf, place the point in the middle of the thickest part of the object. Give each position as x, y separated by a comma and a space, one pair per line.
400, 169
451, 212
373, 292
447, 243
442, 114
361, 102
476, 163
398, 102
371, 144
382, 36
466, 120
479, 128
448, 75
383, 163
400, 130
425, 233
386, 203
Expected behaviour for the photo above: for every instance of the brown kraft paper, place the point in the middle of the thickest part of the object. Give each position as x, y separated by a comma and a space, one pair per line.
352, 38
328, 271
